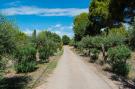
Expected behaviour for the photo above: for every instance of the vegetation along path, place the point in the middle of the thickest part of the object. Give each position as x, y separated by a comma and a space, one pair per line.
73, 73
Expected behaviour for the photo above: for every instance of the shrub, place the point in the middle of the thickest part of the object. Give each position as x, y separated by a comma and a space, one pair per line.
94, 54
118, 57
25, 59
25, 67
44, 53
48, 44
97, 41
113, 40
47, 50
65, 40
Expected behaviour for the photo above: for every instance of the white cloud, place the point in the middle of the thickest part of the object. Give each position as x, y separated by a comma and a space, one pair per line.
29, 10
15, 3
57, 25
62, 29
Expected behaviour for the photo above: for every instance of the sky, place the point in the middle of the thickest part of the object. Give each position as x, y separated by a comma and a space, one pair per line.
52, 15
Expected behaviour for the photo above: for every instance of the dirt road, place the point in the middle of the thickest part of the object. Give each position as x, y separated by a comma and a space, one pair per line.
73, 73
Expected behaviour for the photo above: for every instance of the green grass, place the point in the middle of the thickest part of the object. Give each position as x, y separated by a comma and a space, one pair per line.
51, 66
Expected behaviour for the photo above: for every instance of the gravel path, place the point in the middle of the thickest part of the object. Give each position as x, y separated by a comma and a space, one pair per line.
73, 73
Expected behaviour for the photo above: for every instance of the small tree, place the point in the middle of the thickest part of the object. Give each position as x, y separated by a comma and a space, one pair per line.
7, 42
80, 25
65, 40
118, 59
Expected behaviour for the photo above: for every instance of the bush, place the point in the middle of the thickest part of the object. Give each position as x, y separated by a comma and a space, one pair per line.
65, 40
44, 53
118, 57
48, 44
113, 40
25, 67
26, 59
47, 50
94, 54
97, 41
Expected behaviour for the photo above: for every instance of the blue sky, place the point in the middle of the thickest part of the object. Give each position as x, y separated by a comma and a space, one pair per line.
53, 15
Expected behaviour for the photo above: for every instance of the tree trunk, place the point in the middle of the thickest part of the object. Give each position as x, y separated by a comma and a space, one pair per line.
104, 53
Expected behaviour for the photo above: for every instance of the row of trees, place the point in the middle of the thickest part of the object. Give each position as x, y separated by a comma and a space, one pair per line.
102, 31
103, 14
22, 49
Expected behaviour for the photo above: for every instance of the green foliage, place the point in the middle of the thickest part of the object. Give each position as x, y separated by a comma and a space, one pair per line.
80, 25
7, 43
48, 44
25, 59
97, 41
103, 14
113, 40
118, 58
34, 38
72, 42
23, 47
94, 54
117, 8
100, 9
47, 50
65, 40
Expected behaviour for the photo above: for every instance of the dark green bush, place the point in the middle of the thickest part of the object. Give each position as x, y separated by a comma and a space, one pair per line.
65, 40
118, 58
25, 59
25, 67
47, 50
48, 44
44, 53
113, 40
97, 41
94, 54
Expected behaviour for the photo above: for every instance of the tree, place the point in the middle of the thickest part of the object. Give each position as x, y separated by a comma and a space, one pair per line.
109, 13
65, 40
99, 11
7, 43
121, 9
80, 24
34, 38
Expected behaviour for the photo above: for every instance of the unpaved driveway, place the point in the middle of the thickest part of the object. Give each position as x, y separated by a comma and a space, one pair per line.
73, 73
